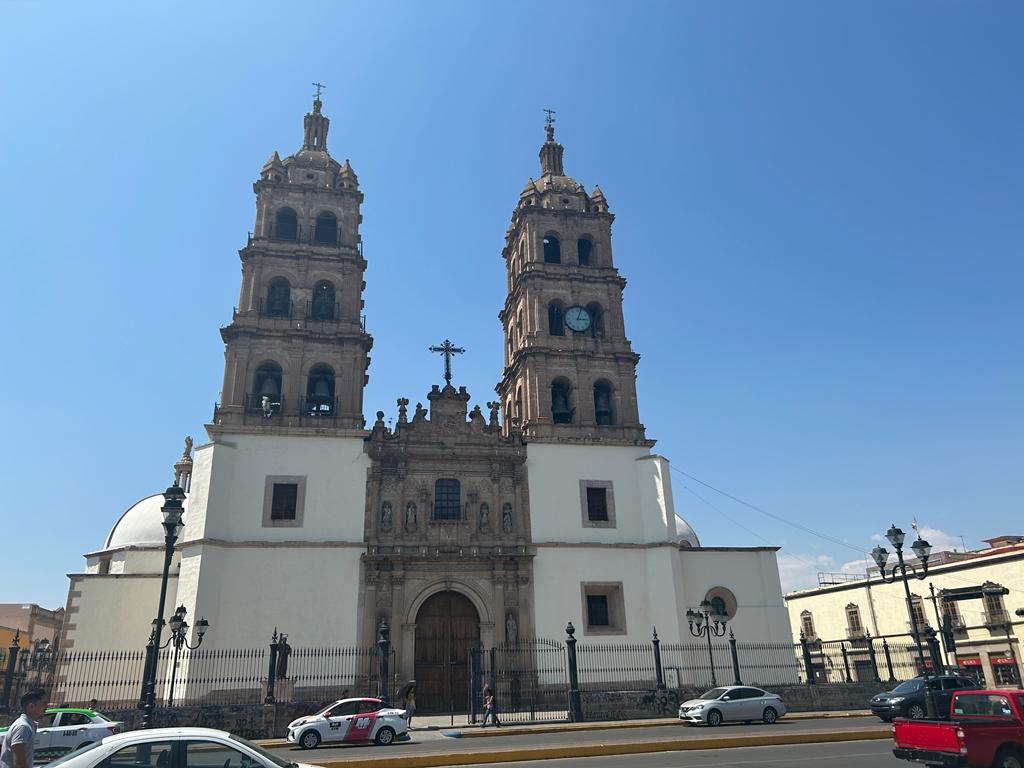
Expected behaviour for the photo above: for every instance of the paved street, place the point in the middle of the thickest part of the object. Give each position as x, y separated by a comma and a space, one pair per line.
846, 754
433, 742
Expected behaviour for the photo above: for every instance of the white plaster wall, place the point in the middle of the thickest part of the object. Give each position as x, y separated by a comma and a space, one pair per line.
752, 575
556, 513
229, 478
114, 612
309, 592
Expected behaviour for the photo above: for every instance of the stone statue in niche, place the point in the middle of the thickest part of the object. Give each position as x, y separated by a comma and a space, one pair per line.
485, 516
511, 630
506, 517
410, 516
386, 516
493, 406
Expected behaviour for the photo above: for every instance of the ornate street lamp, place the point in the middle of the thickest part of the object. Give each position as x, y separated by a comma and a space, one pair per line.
899, 571
179, 639
172, 511
42, 658
707, 622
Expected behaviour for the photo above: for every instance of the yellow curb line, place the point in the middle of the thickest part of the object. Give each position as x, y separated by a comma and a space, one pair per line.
475, 732
614, 748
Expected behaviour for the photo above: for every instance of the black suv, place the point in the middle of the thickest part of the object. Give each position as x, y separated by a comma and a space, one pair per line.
908, 698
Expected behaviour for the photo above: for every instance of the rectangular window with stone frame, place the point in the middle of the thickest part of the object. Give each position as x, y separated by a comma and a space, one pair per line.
284, 501
597, 503
604, 610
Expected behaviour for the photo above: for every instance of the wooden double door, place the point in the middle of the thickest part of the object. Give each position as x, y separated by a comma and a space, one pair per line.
447, 626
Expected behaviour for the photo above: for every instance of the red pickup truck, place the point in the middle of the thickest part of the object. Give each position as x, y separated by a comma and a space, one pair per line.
985, 730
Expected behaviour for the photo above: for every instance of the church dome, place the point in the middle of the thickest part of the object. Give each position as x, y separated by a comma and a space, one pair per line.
685, 535
141, 525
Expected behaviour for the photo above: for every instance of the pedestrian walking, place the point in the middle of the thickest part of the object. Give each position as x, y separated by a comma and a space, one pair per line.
17, 750
410, 705
489, 708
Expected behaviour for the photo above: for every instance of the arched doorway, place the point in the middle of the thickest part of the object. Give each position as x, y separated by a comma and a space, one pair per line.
447, 626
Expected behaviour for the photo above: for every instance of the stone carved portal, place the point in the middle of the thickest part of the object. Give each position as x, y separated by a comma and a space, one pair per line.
447, 626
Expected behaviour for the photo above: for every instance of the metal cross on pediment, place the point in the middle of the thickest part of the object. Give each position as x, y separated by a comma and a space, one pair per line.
319, 87
447, 349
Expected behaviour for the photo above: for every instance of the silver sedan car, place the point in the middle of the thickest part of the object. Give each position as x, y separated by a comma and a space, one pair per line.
733, 702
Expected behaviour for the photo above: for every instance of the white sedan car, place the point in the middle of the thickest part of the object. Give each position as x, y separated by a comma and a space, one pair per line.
174, 748
732, 703
349, 720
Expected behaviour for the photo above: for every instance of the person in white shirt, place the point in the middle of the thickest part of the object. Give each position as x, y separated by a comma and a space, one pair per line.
17, 750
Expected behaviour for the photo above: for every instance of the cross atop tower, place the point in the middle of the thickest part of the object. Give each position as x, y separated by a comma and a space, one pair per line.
549, 123
447, 349
319, 87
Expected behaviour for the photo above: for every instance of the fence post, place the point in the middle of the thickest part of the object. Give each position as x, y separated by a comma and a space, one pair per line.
735, 659
384, 644
888, 659
846, 662
575, 703
272, 671
12, 659
659, 674
808, 664
474, 680
872, 656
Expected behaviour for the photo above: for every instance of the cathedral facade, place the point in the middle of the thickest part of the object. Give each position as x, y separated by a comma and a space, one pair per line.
458, 526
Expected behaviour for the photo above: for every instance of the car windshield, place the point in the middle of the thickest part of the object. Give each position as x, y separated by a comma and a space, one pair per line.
714, 693
75, 753
261, 751
326, 709
907, 686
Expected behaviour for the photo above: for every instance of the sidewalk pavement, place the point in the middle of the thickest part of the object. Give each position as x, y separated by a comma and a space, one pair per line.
439, 726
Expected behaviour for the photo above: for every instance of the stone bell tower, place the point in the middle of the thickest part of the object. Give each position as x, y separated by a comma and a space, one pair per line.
296, 354
570, 372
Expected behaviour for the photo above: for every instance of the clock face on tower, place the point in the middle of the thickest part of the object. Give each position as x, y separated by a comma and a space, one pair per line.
577, 318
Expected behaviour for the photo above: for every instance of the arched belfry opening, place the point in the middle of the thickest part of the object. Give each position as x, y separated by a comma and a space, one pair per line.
447, 626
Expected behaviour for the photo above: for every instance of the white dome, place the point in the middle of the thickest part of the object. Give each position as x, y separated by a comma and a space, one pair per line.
685, 534
141, 525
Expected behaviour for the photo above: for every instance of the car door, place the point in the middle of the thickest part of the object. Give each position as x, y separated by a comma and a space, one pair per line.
142, 754
44, 731
339, 721
70, 731
750, 704
362, 722
731, 704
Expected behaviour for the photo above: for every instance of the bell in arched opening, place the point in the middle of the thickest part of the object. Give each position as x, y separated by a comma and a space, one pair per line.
561, 413
320, 391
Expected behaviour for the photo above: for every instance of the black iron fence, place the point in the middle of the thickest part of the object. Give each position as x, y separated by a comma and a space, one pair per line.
533, 679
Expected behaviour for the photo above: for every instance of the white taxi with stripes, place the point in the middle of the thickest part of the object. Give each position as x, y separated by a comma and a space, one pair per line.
349, 720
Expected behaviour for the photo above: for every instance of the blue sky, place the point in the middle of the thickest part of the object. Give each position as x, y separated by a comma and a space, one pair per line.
818, 214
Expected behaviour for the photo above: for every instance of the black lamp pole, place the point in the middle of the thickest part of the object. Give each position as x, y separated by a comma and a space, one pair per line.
922, 549
179, 639
709, 623
172, 511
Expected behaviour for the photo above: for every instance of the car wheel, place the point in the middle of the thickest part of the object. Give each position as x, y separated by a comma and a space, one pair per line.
384, 737
770, 715
309, 740
1009, 758
714, 718
915, 712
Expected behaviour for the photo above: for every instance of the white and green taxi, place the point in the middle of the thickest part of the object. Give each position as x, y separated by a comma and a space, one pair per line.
64, 729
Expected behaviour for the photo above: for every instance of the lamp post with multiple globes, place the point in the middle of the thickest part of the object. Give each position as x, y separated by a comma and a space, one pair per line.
900, 571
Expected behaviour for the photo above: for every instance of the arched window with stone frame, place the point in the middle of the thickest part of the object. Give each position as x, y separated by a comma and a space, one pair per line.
597, 329
584, 247
604, 412
320, 391
325, 231
807, 625
552, 249
286, 224
562, 410
556, 324
278, 302
323, 306
854, 625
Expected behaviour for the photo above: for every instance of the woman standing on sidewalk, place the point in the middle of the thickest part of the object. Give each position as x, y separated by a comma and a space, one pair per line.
489, 710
